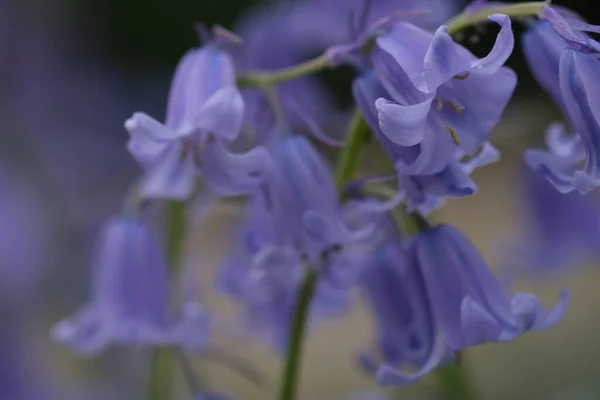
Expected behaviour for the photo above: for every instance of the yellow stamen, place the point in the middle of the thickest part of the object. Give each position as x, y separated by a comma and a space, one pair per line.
455, 107
440, 103
453, 134
462, 77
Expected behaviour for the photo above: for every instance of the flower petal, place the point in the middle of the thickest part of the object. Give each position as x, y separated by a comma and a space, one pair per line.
222, 114
403, 125
532, 315
172, 177
503, 47
230, 174
83, 333
149, 138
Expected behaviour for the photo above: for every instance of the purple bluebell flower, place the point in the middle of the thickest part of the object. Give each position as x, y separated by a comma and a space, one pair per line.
446, 299
423, 192
292, 223
562, 230
130, 298
572, 162
204, 116
431, 82
571, 28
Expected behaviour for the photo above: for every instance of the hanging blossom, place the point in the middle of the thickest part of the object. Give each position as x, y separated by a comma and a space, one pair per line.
204, 116
563, 230
565, 62
432, 295
440, 97
293, 222
422, 192
130, 303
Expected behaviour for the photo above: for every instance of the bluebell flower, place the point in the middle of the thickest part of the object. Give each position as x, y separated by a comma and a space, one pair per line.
423, 192
292, 223
204, 115
571, 28
130, 303
431, 83
562, 230
434, 295
572, 162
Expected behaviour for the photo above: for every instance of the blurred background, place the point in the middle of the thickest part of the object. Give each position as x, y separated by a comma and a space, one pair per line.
72, 71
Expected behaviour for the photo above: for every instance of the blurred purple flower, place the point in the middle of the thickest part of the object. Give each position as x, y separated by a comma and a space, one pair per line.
290, 32
204, 114
563, 230
573, 163
461, 303
431, 81
212, 396
130, 301
423, 192
292, 223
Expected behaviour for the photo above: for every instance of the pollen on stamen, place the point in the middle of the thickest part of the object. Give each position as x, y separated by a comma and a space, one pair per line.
440, 103
453, 134
458, 109
462, 77
186, 147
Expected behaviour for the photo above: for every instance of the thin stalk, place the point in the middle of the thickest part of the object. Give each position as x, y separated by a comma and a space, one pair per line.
161, 369
453, 383
358, 135
264, 78
290, 381
463, 20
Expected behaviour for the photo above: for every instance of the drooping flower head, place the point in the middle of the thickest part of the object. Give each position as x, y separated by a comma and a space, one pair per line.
441, 97
292, 223
572, 162
204, 115
422, 192
130, 303
455, 302
562, 230
564, 60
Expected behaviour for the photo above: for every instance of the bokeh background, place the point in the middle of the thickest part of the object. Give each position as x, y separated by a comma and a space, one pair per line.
72, 71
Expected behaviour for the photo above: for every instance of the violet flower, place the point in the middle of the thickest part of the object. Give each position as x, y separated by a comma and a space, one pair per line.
130, 303
422, 192
563, 230
441, 97
572, 162
292, 223
454, 300
204, 116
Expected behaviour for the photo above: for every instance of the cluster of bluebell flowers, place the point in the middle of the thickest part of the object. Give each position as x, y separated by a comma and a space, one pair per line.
246, 126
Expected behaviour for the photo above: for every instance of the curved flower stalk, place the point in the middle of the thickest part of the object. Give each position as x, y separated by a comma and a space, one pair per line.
204, 115
432, 295
130, 299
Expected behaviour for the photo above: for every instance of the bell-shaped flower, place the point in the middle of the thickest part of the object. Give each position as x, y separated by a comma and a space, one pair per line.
571, 28
130, 303
292, 223
572, 162
204, 116
562, 231
447, 288
397, 298
423, 192
439, 95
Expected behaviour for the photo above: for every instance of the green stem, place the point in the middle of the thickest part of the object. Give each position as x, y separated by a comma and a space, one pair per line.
453, 383
265, 78
358, 134
463, 20
161, 376
289, 383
